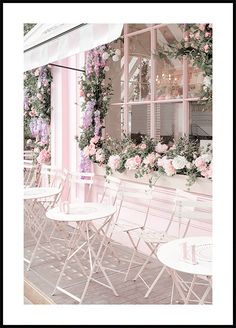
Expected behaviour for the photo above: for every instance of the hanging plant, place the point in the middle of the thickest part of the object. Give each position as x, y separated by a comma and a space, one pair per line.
197, 47
37, 112
96, 92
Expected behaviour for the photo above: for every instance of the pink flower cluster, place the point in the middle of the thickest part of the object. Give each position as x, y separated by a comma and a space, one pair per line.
133, 162
167, 165
43, 156
203, 166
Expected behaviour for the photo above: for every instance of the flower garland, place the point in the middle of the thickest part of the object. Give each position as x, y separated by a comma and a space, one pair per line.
96, 93
196, 46
37, 109
181, 157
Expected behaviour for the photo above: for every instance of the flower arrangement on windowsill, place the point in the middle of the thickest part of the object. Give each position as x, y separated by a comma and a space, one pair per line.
148, 156
197, 47
37, 113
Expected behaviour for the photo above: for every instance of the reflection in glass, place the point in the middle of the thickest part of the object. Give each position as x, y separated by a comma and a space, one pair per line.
116, 73
139, 67
139, 121
195, 80
168, 125
200, 121
114, 121
168, 71
137, 27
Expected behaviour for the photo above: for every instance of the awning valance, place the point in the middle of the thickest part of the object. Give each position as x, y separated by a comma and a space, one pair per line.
47, 43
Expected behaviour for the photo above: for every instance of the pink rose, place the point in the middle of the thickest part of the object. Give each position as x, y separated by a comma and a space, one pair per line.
45, 83
161, 148
94, 140
43, 156
206, 47
207, 173
143, 146
207, 34
199, 162
169, 168
81, 93
92, 149
137, 160
114, 162
150, 159
202, 27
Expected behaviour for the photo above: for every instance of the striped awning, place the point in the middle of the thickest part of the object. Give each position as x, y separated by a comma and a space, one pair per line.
47, 43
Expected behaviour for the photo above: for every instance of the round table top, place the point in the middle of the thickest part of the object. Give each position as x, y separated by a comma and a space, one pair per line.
81, 212
170, 255
40, 192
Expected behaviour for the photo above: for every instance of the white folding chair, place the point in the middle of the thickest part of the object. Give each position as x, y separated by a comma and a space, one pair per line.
30, 174
141, 196
77, 189
187, 208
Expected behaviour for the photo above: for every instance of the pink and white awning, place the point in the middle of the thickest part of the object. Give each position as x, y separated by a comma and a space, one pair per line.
47, 43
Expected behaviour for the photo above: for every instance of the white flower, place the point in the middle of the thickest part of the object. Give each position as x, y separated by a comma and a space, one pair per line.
179, 162
36, 150
115, 58
105, 56
188, 165
106, 68
207, 81
105, 98
118, 52
29, 142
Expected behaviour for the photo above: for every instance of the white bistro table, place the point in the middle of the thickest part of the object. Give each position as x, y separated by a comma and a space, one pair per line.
36, 201
83, 214
170, 254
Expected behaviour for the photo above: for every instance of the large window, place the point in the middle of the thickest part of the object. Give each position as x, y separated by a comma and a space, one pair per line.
152, 96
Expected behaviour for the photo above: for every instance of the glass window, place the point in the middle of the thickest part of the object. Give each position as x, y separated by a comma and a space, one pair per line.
140, 67
168, 121
137, 27
114, 121
200, 121
139, 121
116, 73
195, 79
168, 71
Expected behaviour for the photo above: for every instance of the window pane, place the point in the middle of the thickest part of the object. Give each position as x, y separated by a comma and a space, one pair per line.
114, 121
195, 79
137, 27
116, 73
139, 121
168, 121
168, 71
139, 67
200, 122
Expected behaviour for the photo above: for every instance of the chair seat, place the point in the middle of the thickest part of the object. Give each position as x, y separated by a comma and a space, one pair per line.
124, 226
156, 236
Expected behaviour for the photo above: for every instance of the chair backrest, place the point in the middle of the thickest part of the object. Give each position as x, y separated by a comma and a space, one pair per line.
189, 207
79, 179
138, 194
110, 190
30, 172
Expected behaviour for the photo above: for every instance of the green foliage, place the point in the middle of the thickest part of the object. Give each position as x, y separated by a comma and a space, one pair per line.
197, 47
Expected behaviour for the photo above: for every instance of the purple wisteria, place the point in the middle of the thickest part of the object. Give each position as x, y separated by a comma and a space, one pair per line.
39, 129
88, 114
85, 163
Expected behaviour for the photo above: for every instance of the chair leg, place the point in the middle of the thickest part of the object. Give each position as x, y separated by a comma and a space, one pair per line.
154, 282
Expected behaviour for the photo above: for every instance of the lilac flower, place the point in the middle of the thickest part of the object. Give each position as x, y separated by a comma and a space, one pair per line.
88, 114
85, 163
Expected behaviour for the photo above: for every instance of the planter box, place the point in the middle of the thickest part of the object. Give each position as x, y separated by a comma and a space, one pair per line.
201, 186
